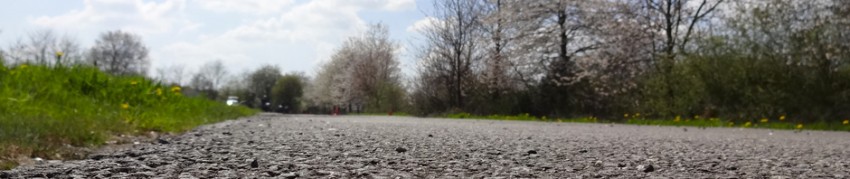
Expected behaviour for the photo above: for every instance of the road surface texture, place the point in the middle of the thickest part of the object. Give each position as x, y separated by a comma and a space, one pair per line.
303, 146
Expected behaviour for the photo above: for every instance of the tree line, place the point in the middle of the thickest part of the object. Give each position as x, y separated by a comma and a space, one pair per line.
739, 60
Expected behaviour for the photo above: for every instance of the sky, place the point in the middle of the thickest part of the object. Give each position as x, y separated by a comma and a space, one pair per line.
295, 35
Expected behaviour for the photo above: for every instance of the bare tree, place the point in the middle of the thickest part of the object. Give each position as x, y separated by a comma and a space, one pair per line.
237, 85
41, 45
45, 48
676, 21
496, 63
208, 79
16, 52
214, 71
173, 74
453, 48
68, 51
120, 53
202, 84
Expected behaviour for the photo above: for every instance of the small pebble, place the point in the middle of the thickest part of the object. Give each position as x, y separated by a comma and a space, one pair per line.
255, 163
162, 141
646, 168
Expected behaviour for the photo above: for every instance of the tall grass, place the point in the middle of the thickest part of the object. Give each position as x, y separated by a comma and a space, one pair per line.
45, 109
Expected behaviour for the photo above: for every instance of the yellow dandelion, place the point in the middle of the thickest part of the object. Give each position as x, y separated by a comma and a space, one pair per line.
799, 126
846, 122
782, 118
60, 54
696, 116
748, 124
637, 114
175, 89
626, 115
23, 66
125, 106
134, 82
159, 91
764, 120
677, 119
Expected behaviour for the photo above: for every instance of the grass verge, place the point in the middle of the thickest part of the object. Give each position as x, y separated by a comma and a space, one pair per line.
381, 114
695, 122
44, 110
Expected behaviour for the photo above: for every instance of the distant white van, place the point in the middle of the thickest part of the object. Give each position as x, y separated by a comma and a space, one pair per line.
232, 100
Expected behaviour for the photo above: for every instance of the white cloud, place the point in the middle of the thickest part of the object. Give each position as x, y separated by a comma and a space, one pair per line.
245, 6
298, 38
397, 5
422, 24
131, 15
193, 55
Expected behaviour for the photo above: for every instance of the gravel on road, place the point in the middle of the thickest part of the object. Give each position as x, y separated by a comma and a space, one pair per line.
307, 146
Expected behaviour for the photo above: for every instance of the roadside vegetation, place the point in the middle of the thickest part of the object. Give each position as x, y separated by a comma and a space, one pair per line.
47, 108
55, 100
779, 122
782, 64
733, 63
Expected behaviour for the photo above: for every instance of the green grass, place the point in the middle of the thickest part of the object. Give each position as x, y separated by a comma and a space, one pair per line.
381, 114
521, 117
44, 109
694, 122
715, 122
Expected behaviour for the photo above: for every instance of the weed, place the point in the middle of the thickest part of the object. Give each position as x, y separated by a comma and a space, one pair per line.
43, 109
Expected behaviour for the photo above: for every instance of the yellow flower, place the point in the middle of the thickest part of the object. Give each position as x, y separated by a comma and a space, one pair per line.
626, 115
134, 82
748, 124
159, 91
175, 89
125, 106
696, 116
731, 124
799, 126
23, 66
764, 120
60, 53
846, 122
637, 114
782, 117
678, 118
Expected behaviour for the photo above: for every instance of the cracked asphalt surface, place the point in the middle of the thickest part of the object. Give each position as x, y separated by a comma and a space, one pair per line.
305, 146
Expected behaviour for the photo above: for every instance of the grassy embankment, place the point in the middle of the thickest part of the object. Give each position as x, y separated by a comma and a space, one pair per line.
45, 111
779, 122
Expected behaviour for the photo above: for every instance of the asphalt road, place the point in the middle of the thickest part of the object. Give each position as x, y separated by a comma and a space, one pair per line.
303, 146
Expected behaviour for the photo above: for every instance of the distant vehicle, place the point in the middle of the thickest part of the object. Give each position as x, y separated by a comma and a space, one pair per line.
232, 100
